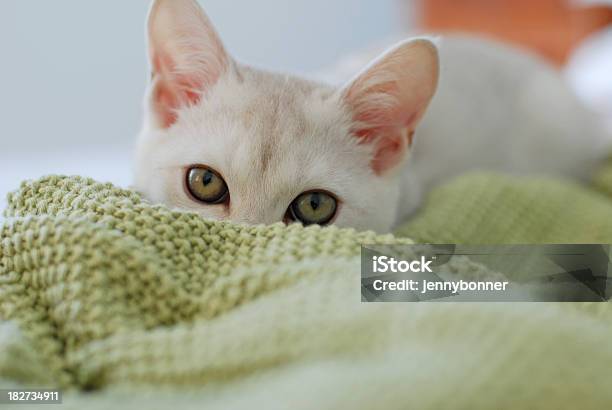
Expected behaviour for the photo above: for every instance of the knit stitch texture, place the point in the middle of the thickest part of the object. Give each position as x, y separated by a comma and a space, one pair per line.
145, 307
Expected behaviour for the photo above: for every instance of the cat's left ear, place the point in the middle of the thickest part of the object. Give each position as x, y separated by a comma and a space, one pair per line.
389, 97
186, 55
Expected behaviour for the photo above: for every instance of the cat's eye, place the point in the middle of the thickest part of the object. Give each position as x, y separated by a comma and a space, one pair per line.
313, 207
206, 185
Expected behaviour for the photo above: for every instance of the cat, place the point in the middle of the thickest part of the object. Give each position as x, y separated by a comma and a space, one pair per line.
233, 142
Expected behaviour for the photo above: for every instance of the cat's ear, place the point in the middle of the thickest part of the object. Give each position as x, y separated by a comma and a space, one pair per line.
186, 57
389, 97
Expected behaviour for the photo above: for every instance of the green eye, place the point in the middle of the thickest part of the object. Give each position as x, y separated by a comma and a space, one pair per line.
206, 185
313, 207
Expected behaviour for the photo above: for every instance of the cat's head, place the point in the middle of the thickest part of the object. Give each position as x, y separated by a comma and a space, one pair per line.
232, 142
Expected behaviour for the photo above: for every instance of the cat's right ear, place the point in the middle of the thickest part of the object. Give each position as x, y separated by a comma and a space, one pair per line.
186, 57
390, 97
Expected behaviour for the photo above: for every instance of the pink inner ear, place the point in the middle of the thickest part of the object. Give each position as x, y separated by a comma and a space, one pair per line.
172, 90
389, 150
389, 98
165, 102
382, 118
381, 107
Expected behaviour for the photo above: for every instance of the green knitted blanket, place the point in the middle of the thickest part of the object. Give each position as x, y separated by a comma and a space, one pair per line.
125, 304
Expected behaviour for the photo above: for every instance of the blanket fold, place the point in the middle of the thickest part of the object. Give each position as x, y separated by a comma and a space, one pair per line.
101, 291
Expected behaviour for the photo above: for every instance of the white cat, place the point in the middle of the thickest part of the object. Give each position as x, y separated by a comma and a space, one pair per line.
232, 142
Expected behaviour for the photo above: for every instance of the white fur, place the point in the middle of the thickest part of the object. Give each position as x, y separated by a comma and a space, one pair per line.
497, 108
299, 127
273, 136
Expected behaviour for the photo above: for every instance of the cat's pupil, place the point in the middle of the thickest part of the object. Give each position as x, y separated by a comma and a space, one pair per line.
208, 176
314, 201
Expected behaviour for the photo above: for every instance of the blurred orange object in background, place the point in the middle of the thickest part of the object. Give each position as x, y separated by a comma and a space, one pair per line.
551, 27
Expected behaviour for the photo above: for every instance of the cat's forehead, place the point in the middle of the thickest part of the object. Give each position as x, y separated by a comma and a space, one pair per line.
273, 117
269, 133
276, 104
